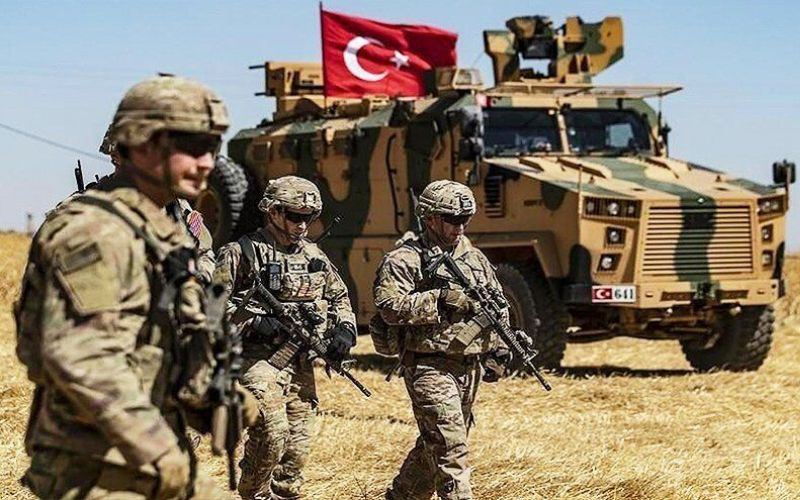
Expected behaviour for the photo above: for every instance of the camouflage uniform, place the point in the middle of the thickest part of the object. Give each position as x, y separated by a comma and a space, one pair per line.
441, 365
278, 445
109, 364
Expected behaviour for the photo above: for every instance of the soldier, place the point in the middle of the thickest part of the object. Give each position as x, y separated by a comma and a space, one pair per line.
180, 210
441, 372
110, 303
297, 272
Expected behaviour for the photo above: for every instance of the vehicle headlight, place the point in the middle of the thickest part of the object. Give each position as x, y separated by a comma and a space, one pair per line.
766, 258
615, 236
605, 207
766, 233
608, 262
767, 206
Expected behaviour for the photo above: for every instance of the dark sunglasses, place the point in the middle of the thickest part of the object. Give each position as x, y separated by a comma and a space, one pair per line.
195, 145
299, 218
456, 220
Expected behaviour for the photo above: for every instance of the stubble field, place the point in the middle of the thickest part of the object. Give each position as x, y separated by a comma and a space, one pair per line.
627, 420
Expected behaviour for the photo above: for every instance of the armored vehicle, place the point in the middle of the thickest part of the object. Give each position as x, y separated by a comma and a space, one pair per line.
595, 230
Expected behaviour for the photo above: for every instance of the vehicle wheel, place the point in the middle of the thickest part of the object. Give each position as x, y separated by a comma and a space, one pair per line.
529, 296
229, 205
743, 344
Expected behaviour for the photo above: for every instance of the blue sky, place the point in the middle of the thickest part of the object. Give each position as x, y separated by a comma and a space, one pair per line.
65, 65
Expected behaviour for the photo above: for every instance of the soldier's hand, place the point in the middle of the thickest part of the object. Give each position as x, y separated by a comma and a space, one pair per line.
496, 364
455, 300
190, 310
343, 338
173, 473
249, 407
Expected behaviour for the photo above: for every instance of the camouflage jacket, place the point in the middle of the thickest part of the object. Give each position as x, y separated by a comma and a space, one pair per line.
408, 299
104, 360
305, 275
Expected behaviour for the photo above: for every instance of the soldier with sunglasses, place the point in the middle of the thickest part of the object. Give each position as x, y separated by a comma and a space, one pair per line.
443, 338
298, 274
111, 320
180, 209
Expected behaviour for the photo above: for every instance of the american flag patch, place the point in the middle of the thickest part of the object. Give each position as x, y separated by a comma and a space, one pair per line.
195, 223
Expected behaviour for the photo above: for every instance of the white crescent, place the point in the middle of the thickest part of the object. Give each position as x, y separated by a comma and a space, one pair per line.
351, 59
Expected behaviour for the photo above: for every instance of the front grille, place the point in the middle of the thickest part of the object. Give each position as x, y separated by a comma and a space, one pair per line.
698, 241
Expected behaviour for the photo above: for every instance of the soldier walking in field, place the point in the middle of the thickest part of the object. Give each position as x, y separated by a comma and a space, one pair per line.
443, 340
299, 275
110, 303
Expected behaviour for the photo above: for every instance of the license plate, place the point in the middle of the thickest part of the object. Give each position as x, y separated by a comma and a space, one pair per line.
613, 294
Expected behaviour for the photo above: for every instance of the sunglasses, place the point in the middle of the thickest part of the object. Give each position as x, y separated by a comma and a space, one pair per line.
299, 218
195, 145
456, 220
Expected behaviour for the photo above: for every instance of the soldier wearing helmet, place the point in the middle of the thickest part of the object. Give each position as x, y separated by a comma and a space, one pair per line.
442, 339
109, 297
299, 274
180, 210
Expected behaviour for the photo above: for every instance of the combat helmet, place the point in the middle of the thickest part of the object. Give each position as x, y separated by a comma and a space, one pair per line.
167, 103
446, 198
293, 193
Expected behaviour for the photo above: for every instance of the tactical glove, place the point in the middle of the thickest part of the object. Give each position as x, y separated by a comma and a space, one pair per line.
455, 300
173, 473
249, 407
496, 364
266, 329
343, 338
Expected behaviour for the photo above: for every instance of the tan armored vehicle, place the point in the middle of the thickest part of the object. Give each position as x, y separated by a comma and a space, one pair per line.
595, 230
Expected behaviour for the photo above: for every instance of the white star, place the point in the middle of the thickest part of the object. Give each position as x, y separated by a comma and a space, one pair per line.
399, 59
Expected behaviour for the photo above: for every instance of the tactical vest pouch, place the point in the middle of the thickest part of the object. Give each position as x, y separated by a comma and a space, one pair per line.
386, 338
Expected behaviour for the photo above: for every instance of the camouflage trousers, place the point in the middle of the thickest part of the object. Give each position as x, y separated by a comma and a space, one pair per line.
278, 444
442, 391
65, 475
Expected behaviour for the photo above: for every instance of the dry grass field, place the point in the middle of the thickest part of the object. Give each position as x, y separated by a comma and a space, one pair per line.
628, 420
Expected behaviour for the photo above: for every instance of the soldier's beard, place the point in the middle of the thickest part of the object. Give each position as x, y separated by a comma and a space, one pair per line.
442, 239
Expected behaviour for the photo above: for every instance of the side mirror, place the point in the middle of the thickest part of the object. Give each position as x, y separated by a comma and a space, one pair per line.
471, 147
783, 172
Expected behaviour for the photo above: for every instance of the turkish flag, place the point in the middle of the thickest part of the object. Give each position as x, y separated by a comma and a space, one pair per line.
361, 56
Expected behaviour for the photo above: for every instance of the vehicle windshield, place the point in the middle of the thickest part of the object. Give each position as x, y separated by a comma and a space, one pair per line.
606, 131
514, 131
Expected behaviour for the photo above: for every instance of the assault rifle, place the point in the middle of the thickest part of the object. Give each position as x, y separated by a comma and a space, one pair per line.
296, 320
226, 420
492, 307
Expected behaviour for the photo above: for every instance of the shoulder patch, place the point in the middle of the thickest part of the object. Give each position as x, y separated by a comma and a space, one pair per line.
80, 257
88, 280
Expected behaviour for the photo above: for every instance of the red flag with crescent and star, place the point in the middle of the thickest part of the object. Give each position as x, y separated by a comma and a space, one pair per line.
361, 56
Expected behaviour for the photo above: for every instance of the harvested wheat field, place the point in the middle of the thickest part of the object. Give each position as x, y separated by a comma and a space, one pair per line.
629, 420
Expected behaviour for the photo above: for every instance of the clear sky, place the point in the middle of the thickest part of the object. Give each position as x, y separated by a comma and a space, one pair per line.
65, 64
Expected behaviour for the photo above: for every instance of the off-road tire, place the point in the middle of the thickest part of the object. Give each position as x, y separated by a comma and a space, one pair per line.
229, 205
743, 345
530, 299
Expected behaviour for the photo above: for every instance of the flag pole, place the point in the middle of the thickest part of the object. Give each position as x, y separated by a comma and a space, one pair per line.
321, 38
